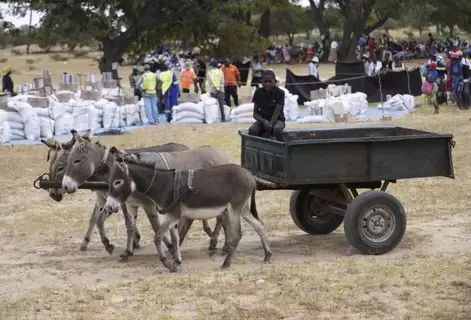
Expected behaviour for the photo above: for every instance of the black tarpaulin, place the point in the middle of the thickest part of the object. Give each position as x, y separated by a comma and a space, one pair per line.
392, 83
302, 85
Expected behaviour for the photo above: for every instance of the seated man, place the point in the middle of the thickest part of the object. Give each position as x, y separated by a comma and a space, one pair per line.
268, 109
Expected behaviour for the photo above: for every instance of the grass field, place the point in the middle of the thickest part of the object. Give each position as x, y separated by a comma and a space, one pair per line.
44, 276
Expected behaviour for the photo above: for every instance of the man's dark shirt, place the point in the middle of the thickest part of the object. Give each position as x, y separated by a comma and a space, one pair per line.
267, 101
201, 70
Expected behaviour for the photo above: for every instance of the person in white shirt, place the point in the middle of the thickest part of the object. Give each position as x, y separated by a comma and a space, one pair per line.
313, 67
375, 66
333, 51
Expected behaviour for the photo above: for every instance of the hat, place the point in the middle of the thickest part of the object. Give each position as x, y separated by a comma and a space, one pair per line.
188, 65
146, 67
134, 68
7, 70
315, 59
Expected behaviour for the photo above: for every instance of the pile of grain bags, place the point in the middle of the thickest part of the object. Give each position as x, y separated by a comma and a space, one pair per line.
399, 102
17, 127
188, 112
291, 108
212, 112
243, 113
112, 116
63, 118
5, 131
46, 122
131, 114
32, 124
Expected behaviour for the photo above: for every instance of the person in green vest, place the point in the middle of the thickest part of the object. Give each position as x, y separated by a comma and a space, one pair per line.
148, 84
170, 90
216, 86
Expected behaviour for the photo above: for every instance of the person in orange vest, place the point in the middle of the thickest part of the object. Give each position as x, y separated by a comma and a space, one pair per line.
188, 78
231, 82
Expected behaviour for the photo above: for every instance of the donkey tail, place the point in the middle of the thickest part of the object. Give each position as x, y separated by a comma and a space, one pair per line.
264, 184
253, 206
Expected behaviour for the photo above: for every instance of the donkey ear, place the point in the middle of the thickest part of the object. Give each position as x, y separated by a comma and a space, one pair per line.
87, 135
51, 144
76, 136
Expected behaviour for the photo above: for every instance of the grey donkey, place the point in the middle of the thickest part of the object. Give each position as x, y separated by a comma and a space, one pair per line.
87, 159
59, 158
195, 194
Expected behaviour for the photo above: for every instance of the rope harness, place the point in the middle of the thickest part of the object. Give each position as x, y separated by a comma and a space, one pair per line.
182, 185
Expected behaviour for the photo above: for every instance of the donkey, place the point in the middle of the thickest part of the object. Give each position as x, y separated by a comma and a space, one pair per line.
87, 159
195, 194
56, 171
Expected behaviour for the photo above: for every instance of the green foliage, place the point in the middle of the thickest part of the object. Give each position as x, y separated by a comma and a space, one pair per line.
290, 20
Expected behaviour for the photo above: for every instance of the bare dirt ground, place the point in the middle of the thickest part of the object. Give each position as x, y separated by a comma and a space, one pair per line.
44, 276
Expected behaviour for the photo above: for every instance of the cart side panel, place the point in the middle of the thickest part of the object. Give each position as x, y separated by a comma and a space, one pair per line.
328, 163
411, 159
264, 159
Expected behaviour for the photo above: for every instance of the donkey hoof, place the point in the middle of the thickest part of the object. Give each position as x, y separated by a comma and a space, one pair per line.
226, 248
124, 257
83, 248
225, 265
212, 244
110, 249
267, 258
212, 252
178, 262
137, 246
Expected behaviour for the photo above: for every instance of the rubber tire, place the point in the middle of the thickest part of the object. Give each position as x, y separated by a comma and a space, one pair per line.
305, 224
354, 214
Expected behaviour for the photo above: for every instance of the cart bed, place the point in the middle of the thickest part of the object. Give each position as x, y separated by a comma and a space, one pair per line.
348, 154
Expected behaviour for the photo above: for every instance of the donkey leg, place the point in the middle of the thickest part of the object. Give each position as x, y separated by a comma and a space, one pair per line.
207, 228
91, 226
137, 235
128, 213
174, 234
169, 223
233, 218
101, 229
183, 226
213, 242
153, 216
260, 229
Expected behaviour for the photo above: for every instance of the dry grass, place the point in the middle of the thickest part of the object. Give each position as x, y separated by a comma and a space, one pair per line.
44, 276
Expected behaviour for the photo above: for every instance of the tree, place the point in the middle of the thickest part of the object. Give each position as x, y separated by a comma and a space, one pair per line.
290, 20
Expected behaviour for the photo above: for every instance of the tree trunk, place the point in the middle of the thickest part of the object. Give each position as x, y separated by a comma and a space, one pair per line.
437, 29
290, 39
317, 12
451, 27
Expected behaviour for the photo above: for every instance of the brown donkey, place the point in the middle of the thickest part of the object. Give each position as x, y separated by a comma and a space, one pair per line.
194, 194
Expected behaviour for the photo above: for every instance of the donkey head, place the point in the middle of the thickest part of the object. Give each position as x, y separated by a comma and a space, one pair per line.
84, 159
121, 183
58, 162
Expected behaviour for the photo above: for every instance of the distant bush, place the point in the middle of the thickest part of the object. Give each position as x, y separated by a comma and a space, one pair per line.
16, 52
57, 57
3, 60
80, 53
30, 61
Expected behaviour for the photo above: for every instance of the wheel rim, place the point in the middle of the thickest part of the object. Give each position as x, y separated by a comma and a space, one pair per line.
312, 208
378, 224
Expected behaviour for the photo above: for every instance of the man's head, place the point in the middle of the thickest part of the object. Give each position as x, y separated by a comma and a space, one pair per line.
187, 65
315, 59
134, 70
387, 56
146, 67
227, 63
268, 80
7, 70
256, 58
365, 58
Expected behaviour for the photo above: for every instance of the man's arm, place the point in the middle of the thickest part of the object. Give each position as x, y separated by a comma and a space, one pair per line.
280, 104
139, 82
237, 73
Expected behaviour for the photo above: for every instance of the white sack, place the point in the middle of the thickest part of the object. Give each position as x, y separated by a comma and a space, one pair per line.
14, 116
5, 132
243, 108
81, 122
111, 116
42, 112
101, 103
211, 113
189, 120
64, 124
3, 116
95, 118
314, 119
47, 127
186, 114
143, 114
209, 101
190, 106
243, 115
16, 125
31, 122
18, 133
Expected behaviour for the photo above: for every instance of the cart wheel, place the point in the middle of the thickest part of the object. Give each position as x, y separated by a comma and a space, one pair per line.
305, 208
375, 222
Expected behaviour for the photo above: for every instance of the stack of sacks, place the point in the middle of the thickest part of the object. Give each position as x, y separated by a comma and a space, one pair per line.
188, 112
243, 113
212, 112
5, 131
46, 122
318, 113
353, 103
132, 114
142, 112
32, 124
63, 118
17, 127
291, 109
112, 116
112, 93
399, 102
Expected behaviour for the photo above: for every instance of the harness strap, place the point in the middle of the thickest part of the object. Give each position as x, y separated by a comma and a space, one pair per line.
167, 166
177, 196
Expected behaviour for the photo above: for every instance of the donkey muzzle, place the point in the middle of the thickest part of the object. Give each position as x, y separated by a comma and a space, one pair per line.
69, 184
112, 205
